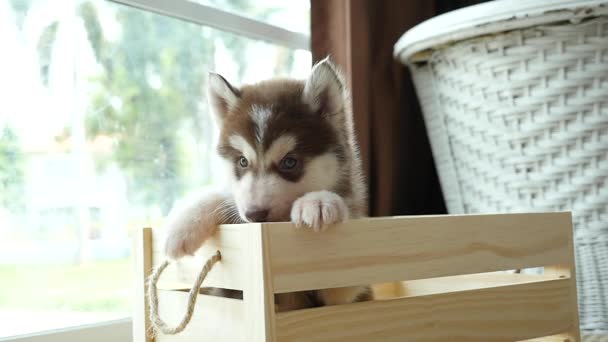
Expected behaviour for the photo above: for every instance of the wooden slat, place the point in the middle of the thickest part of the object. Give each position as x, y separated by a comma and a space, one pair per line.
143, 268
214, 318
227, 235
229, 240
258, 294
568, 271
369, 251
554, 338
506, 313
423, 287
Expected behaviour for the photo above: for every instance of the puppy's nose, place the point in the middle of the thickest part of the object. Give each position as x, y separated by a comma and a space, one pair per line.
257, 215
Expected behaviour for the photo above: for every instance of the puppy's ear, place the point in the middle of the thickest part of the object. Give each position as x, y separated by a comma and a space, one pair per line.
223, 97
324, 90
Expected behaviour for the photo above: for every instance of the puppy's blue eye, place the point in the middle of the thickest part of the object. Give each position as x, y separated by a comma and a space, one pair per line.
243, 162
288, 163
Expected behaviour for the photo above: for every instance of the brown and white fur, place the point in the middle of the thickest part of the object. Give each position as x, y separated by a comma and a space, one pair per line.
292, 155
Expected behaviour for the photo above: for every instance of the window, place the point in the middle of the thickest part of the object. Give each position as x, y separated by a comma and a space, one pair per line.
103, 126
294, 16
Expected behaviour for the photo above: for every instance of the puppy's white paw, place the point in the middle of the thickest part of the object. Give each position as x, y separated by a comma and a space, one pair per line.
192, 222
319, 209
182, 242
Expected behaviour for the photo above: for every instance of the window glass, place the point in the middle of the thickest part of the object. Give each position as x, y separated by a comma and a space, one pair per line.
103, 126
293, 15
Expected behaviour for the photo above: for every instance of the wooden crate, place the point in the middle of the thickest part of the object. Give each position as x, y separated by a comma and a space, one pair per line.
448, 264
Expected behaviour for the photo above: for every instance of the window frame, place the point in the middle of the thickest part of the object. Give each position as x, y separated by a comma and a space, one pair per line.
193, 12
204, 15
118, 330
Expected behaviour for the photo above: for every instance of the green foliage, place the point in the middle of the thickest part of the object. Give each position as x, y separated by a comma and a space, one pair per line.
12, 175
20, 8
150, 89
147, 98
45, 48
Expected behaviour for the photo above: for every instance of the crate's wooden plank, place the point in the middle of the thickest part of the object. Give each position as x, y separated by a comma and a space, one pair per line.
214, 318
369, 251
258, 294
506, 313
227, 235
173, 285
228, 273
554, 338
568, 270
575, 332
143, 268
422, 287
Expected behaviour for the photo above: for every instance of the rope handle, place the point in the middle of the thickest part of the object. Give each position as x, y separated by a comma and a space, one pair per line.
157, 323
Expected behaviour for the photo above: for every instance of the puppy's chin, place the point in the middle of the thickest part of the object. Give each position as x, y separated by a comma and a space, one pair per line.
281, 214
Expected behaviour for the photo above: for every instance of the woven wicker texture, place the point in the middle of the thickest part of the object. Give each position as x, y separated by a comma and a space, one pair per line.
519, 122
595, 338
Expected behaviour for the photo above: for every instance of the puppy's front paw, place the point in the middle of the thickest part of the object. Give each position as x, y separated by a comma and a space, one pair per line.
181, 243
318, 210
193, 221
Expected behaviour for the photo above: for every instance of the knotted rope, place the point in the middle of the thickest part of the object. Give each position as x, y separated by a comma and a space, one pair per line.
157, 323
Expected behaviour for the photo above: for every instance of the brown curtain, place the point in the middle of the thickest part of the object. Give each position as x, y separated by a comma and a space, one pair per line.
360, 35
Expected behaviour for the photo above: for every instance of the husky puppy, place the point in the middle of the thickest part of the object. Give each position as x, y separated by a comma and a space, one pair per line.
292, 156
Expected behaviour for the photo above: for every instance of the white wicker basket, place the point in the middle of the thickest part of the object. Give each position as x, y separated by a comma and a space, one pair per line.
515, 99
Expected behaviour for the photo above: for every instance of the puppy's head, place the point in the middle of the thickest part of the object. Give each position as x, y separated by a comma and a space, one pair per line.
281, 139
